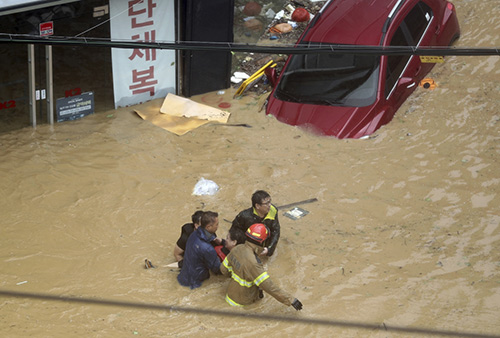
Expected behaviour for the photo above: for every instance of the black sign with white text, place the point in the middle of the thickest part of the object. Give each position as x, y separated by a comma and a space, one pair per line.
75, 107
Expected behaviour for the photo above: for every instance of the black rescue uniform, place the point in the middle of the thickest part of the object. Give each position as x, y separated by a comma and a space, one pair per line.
249, 216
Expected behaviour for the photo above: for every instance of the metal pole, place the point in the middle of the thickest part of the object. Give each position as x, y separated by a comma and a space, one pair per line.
32, 88
178, 54
50, 87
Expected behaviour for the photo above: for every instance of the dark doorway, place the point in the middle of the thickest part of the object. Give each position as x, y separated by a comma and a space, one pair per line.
202, 20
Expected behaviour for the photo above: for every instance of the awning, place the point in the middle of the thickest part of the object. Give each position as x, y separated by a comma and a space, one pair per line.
8, 7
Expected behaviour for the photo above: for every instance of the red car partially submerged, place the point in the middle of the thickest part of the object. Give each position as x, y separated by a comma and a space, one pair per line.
352, 95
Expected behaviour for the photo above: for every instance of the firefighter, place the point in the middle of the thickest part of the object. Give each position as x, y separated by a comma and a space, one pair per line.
248, 276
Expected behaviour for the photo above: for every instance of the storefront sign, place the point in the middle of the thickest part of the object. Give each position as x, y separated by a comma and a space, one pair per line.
8, 104
75, 107
46, 28
141, 74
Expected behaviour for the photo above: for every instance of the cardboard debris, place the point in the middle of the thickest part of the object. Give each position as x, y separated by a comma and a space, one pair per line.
173, 124
179, 106
179, 115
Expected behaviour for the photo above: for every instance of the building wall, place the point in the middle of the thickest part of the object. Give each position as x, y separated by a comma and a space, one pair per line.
75, 69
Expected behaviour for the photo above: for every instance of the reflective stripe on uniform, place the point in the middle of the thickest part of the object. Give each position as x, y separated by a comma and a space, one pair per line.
234, 276
259, 280
243, 282
272, 213
231, 302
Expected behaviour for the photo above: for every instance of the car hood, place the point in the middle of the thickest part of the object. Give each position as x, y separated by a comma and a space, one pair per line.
338, 121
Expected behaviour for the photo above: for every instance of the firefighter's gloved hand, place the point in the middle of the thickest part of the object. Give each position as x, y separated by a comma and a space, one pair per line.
297, 304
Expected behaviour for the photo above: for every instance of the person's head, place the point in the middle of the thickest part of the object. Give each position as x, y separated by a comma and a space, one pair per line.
196, 218
210, 221
234, 237
257, 233
261, 201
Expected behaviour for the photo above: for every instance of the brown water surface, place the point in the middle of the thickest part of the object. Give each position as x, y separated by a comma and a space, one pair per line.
405, 232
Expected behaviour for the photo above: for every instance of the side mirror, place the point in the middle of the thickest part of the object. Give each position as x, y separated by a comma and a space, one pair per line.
272, 76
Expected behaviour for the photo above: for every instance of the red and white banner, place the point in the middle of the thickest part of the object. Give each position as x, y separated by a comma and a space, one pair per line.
141, 75
46, 28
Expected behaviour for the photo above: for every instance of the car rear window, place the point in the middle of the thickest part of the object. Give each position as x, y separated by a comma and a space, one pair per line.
330, 79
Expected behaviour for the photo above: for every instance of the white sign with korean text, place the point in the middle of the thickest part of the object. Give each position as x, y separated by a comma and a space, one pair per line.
141, 75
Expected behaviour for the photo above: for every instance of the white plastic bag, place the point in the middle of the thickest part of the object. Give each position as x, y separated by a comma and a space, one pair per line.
205, 187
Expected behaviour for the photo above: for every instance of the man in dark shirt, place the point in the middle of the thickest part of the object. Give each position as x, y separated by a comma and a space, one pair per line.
186, 230
262, 211
200, 257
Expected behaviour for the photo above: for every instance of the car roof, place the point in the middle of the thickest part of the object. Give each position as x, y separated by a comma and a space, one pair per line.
357, 22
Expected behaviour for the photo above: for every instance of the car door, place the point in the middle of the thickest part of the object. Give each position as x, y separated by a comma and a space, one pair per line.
420, 27
403, 72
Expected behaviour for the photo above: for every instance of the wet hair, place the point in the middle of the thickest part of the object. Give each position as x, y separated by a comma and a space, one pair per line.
237, 235
208, 217
196, 217
259, 196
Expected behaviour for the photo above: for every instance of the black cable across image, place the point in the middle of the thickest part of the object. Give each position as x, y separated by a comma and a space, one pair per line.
241, 48
260, 316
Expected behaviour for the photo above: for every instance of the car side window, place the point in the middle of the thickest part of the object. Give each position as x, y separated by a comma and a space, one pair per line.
408, 33
395, 63
417, 21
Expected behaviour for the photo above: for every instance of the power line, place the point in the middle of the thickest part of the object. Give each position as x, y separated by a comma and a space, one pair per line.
236, 47
108, 20
262, 317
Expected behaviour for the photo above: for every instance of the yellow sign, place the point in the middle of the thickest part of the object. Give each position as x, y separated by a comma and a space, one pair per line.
431, 59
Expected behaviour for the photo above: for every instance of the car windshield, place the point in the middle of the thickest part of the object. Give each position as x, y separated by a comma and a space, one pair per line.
330, 79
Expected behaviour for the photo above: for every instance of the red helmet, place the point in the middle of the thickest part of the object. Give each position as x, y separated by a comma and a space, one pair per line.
257, 232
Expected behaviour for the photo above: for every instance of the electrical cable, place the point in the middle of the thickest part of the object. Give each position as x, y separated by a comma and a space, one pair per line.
261, 317
237, 48
108, 20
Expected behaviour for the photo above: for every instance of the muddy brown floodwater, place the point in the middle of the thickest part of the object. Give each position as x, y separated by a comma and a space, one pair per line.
406, 230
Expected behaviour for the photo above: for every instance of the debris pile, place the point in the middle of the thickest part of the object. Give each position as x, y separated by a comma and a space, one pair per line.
271, 23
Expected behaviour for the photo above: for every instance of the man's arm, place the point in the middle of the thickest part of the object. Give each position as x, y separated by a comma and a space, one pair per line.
212, 260
275, 235
180, 245
237, 223
224, 267
178, 253
263, 281
243, 220
276, 292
